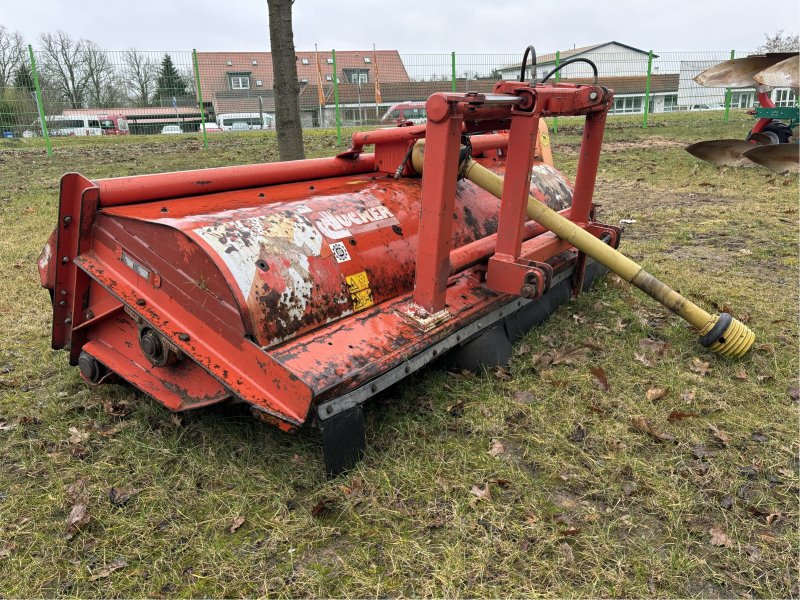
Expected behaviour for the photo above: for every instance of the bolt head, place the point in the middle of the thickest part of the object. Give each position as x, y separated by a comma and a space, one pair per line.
593, 96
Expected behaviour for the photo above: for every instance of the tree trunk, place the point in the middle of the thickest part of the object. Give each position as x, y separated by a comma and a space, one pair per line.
286, 87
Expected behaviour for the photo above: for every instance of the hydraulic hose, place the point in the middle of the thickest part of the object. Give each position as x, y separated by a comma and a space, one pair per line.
570, 61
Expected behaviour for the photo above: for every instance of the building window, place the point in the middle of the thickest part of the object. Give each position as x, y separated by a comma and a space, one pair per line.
670, 102
239, 81
304, 61
254, 62
628, 105
304, 81
367, 59
356, 75
784, 98
328, 78
330, 61
258, 83
742, 99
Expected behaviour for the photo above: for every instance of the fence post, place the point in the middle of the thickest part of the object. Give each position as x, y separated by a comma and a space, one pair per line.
336, 100
453, 71
39, 103
558, 78
647, 88
200, 99
728, 94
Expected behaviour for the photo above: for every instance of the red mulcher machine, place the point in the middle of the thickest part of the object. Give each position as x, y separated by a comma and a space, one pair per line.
305, 288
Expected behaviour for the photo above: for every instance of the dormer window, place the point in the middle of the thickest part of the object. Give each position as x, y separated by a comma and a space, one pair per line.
239, 81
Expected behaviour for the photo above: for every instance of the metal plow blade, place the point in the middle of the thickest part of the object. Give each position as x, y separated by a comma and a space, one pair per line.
783, 74
740, 72
722, 152
776, 157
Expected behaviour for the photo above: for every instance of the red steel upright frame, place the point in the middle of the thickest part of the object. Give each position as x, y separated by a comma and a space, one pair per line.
516, 267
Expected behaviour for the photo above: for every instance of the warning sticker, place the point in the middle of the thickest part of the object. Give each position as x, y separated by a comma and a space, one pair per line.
340, 252
545, 139
360, 293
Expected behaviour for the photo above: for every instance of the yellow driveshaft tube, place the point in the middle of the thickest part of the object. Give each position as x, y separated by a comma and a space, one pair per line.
720, 333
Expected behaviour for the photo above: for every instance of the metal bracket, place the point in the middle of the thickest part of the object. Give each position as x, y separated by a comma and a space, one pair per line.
421, 318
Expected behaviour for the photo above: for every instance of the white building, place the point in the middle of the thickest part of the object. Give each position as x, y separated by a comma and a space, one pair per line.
613, 59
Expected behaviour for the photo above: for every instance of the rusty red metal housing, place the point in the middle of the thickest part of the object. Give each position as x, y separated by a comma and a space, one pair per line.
304, 288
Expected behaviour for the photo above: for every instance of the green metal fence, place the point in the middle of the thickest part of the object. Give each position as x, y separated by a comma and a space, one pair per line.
65, 88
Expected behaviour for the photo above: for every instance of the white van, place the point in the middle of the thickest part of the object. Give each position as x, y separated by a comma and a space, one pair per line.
60, 125
252, 120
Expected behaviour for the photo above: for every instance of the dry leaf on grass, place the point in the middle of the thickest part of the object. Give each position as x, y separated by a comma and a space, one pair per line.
77, 519
502, 373
688, 396
115, 408
524, 397
720, 538
119, 497
599, 378
643, 425
566, 553
6, 426
741, 374
456, 409
482, 493
794, 393
677, 415
237, 522
7, 549
77, 492
642, 359
497, 448
562, 356
719, 436
656, 393
76, 436
657, 347
699, 366
578, 434
114, 565
592, 344
768, 516
323, 507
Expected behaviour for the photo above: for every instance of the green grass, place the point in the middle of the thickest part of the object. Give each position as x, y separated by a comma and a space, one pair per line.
582, 503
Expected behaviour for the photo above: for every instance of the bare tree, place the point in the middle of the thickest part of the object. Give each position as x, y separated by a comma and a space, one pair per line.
102, 82
64, 63
142, 73
778, 42
12, 52
284, 65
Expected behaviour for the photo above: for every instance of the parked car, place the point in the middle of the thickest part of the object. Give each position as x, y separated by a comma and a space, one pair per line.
171, 129
406, 111
240, 126
707, 107
211, 127
66, 125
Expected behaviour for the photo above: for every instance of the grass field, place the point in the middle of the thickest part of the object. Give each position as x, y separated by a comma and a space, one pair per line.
532, 481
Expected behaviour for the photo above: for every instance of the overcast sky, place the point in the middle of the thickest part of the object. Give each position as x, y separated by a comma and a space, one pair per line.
408, 26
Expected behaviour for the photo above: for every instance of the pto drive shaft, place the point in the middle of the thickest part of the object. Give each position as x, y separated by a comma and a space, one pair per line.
721, 333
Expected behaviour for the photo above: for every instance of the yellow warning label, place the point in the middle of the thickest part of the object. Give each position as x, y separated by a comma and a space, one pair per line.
545, 139
360, 293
